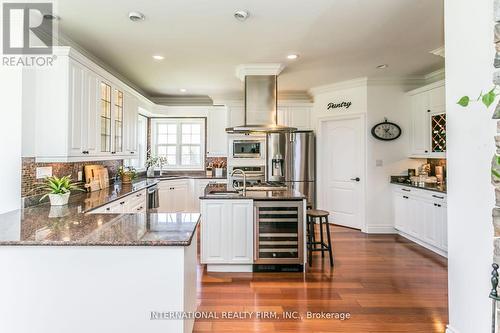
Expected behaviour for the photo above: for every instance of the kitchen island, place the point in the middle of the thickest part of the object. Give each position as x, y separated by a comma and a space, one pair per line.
69, 270
252, 231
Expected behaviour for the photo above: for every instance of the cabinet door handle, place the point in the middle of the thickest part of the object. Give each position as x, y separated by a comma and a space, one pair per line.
108, 209
140, 208
85, 152
132, 152
406, 190
138, 195
405, 197
113, 152
437, 196
429, 111
122, 203
426, 151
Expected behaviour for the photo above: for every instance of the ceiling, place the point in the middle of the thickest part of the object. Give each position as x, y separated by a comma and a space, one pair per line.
203, 43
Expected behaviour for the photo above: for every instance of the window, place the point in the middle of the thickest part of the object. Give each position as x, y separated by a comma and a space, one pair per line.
142, 142
181, 141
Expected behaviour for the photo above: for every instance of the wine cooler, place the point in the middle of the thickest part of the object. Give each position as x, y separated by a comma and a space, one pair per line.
279, 232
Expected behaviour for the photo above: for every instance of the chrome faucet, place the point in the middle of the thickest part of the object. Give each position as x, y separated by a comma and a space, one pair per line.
244, 179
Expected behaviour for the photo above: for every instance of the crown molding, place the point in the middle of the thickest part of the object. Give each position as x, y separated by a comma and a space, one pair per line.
184, 100
258, 69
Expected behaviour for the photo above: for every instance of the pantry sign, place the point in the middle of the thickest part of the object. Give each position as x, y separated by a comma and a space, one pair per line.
338, 105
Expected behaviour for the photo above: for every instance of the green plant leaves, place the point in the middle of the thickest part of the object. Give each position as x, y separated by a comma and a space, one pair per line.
489, 98
464, 101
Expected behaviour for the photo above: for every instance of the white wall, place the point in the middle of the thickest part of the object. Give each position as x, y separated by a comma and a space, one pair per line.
391, 101
469, 58
10, 145
375, 100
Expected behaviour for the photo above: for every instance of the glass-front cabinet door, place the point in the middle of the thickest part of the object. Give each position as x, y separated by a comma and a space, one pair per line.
118, 121
105, 118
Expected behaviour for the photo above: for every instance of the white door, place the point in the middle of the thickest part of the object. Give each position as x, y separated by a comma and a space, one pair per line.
341, 157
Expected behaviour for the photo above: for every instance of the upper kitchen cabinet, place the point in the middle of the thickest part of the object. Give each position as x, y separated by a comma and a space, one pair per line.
216, 134
298, 116
428, 121
80, 112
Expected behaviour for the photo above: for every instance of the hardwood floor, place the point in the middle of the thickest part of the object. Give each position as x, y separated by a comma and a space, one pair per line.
385, 282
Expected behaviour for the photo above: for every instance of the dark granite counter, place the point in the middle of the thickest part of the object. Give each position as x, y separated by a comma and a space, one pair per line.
212, 189
186, 175
73, 224
404, 181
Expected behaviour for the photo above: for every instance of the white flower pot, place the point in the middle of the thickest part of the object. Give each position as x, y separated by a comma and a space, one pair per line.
219, 172
59, 199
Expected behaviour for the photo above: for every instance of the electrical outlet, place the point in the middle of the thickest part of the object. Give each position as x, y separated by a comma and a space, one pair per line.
80, 176
42, 172
379, 163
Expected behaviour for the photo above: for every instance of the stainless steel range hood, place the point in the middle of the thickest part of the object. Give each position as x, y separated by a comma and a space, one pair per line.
261, 104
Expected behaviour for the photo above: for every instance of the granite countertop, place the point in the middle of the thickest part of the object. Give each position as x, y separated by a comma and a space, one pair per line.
72, 224
428, 187
254, 195
186, 175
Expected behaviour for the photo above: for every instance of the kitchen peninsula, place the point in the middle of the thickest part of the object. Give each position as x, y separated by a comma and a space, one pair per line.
99, 272
245, 231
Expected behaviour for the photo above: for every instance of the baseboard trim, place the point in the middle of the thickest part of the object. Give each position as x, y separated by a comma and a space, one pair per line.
380, 229
450, 329
424, 244
230, 268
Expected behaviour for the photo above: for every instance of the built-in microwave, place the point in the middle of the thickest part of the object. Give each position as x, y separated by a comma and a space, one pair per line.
247, 149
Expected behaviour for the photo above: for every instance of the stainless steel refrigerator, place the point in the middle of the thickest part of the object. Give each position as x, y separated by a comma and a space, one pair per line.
291, 158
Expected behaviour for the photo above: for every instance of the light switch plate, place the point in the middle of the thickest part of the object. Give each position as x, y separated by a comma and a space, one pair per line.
42, 172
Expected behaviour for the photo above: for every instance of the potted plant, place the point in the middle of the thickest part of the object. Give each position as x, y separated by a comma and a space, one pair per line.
150, 164
219, 165
59, 189
127, 174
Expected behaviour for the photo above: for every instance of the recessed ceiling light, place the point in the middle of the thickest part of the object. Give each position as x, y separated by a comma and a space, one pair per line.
158, 57
183, 90
383, 66
241, 15
292, 56
136, 16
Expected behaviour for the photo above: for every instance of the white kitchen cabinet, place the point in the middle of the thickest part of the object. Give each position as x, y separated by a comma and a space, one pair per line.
420, 215
130, 204
174, 196
67, 112
295, 116
227, 233
216, 135
130, 123
426, 102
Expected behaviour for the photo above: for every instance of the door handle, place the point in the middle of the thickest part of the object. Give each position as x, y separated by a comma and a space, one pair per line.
356, 179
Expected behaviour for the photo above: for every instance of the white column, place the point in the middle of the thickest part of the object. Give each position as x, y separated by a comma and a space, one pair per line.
470, 145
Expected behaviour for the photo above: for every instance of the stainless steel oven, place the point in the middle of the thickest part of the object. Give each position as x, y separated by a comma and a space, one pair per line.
248, 148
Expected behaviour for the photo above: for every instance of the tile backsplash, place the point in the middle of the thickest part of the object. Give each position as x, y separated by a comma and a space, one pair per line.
28, 175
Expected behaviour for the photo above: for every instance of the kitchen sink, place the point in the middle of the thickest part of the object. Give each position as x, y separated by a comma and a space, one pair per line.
223, 193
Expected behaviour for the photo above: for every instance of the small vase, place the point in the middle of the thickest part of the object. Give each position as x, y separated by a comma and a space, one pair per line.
219, 172
150, 172
59, 199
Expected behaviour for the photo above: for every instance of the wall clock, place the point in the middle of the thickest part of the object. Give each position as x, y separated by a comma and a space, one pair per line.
386, 131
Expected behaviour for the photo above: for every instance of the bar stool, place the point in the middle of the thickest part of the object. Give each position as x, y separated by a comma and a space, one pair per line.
312, 244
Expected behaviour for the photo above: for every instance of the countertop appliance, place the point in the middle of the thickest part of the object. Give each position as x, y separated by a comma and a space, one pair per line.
291, 158
153, 199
